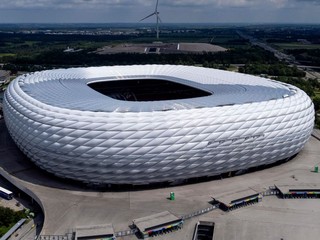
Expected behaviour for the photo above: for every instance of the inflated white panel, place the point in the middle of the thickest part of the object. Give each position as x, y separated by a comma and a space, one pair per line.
72, 131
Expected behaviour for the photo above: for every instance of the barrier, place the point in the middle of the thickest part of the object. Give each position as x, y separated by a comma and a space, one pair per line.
126, 232
270, 192
55, 237
200, 212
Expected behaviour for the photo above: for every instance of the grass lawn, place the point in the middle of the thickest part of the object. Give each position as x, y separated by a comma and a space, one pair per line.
7, 54
296, 45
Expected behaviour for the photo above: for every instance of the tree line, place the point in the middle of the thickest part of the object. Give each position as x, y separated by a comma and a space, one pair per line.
277, 69
58, 58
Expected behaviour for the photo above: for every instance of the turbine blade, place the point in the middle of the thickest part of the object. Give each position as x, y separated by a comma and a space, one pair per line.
157, 6
159, 19
147, 16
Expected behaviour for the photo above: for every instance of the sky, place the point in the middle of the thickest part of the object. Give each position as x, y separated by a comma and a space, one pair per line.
171, 11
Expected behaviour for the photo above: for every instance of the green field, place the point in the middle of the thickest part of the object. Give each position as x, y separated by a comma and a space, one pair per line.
296, 45
7, 54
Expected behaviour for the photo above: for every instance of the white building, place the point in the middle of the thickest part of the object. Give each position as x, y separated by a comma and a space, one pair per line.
154, 123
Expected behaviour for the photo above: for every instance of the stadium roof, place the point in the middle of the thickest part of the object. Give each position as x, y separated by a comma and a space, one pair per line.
68, 88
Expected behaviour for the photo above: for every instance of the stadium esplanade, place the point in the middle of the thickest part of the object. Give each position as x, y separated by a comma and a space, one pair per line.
154, 123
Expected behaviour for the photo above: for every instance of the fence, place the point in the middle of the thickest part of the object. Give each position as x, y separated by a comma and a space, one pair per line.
126, 233
55, 237
200, 212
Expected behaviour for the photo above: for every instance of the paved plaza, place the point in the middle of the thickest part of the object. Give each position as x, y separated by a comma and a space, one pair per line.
68, 206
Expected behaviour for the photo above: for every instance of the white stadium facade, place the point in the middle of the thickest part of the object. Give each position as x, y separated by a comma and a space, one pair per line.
154, 123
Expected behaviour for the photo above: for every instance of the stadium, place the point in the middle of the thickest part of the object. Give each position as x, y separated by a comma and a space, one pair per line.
154, 123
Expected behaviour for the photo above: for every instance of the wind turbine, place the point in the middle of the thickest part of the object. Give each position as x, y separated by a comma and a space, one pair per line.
157, 16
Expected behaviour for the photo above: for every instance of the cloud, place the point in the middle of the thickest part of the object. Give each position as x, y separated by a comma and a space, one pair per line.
210, 3
171, 10
61, 4
136, 3
309, 1
67, 3
279, 3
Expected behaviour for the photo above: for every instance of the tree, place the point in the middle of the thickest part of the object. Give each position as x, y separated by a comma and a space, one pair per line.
316, 103
8, 218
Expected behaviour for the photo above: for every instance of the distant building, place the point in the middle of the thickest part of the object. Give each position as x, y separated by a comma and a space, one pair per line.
4, 75
71, 50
